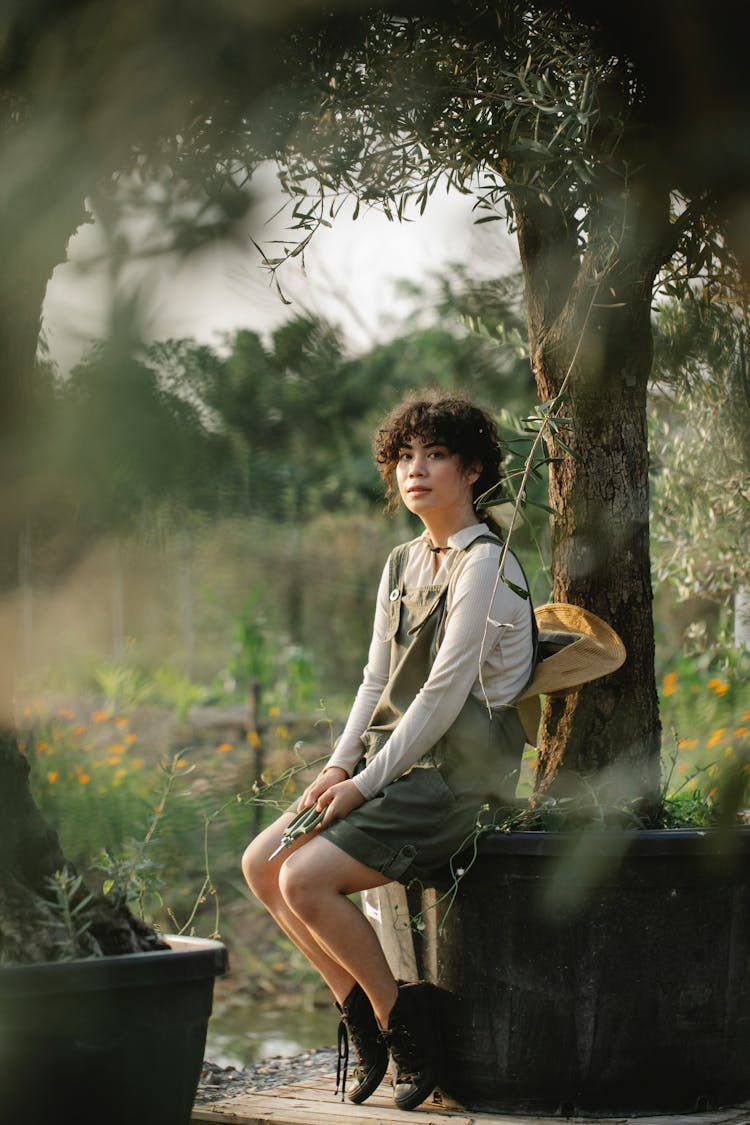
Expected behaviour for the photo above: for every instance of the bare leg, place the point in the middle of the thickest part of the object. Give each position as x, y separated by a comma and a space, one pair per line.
262, 878
300, 889
314, 883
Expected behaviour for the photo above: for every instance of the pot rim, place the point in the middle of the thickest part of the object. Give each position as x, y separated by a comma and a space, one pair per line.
633, 842
187, 959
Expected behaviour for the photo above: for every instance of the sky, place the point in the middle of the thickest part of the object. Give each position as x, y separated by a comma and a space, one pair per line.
350, 275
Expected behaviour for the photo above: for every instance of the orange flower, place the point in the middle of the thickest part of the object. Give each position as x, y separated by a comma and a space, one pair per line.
52, 776
66, 713
122, 722
42, 746
225, 747
717, 736
682, 767
84, 778
253, 739
741, 732
130, 738
79, 730
669, 684
718, 686
137, 763
687, 744
99, 716
117, 748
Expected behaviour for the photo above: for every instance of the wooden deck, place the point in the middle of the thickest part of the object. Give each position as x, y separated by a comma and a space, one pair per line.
313, 1103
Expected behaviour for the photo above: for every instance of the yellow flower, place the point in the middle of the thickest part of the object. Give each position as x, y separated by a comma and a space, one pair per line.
687, 744
84, 778
120, 773
137, 763
717, 736
713, 771
180, 764
729, 752
669, 684
282, 731
52, 776
225, 747
117, 748
114, 760
718, 686
746, 717
253, 738
273, 712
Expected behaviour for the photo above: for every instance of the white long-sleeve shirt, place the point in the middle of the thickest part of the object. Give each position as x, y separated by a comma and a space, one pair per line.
487, 626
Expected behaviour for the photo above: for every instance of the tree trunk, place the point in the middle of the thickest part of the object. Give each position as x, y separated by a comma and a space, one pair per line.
590, 313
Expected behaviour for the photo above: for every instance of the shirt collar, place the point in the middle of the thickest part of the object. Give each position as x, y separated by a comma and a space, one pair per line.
464, 537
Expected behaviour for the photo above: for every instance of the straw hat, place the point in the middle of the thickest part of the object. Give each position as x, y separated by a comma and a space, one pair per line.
575, 646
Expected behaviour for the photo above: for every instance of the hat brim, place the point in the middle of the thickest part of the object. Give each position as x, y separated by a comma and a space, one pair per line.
583, 648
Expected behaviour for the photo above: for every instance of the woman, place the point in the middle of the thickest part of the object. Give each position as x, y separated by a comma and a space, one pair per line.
432, 737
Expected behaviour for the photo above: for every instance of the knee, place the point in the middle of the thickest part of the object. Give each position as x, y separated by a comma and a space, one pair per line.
259, 875
300, 892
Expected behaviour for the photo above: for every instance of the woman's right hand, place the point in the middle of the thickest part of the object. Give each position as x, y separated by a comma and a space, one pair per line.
332, 776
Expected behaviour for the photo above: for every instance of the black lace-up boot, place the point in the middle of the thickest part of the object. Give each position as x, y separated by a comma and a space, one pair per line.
413, 1039
358, 1023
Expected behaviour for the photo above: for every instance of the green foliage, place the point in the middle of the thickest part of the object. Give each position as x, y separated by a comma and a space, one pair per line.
700, 422
67, 902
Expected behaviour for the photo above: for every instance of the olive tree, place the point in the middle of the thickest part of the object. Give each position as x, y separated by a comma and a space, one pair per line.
532, 113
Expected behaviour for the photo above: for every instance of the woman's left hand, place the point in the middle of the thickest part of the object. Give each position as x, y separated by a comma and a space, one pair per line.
339, 800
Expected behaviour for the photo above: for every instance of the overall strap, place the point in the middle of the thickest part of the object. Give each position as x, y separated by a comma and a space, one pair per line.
396, 565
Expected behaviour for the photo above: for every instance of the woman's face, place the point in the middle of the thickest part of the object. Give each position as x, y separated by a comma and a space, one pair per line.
431, 479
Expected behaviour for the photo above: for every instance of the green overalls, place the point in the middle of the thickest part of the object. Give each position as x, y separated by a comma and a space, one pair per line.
427, 815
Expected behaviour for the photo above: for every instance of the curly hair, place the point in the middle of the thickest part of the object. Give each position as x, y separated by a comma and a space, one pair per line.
451, 420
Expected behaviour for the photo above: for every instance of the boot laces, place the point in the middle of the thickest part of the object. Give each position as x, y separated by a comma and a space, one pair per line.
342, 1058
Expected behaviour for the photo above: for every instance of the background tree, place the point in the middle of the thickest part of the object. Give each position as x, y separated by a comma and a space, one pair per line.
700, 421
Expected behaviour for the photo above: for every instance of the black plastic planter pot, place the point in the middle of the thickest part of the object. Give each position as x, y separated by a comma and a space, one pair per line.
599, 973
111, 1040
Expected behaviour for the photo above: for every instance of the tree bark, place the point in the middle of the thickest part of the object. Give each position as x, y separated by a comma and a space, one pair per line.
589, 313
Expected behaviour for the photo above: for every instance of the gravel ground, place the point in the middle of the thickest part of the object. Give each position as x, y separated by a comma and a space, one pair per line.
218, 1082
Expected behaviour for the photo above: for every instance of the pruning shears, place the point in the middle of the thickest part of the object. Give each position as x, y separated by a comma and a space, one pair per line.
304, 822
